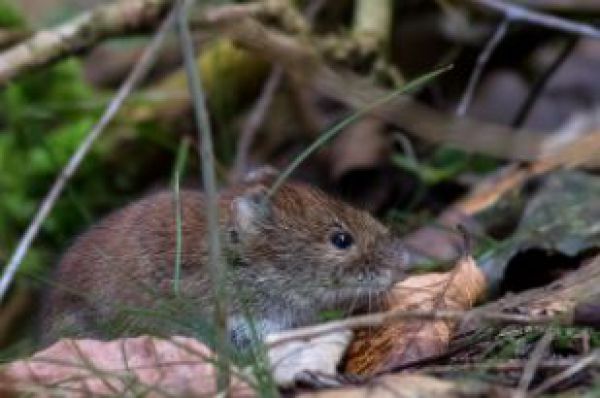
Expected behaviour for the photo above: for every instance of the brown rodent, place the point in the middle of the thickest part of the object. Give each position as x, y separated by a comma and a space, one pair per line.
289, 259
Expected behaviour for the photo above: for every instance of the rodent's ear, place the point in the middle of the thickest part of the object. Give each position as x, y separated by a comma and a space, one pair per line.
251, 209
263, 174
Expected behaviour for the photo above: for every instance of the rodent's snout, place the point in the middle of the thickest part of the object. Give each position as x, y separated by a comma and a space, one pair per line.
377, 278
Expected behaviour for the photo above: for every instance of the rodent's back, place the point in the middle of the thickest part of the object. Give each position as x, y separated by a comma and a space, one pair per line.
125, 260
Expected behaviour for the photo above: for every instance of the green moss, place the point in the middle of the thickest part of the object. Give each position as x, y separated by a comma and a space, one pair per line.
10, 17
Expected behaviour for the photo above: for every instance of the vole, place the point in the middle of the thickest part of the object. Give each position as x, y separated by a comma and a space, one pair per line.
289, 258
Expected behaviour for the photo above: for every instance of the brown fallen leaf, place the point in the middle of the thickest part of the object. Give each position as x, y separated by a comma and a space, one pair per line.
319, 355
144, 366
411, 386
389, 346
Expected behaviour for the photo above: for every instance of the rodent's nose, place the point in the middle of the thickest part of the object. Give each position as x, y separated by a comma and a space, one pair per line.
367, 275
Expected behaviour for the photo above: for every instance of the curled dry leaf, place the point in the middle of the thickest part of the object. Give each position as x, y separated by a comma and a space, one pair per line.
319, 355
144, 366
398, 343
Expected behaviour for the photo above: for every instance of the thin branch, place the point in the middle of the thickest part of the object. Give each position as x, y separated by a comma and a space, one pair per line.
137, 74
508, 366
540, 83
303, 63
515, 12
80, 33
381, 318
585, 362
9, 37
532, 365
482, 61
261, 106
211, 210
255, 120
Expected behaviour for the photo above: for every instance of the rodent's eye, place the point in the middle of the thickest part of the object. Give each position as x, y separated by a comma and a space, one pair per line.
341, 240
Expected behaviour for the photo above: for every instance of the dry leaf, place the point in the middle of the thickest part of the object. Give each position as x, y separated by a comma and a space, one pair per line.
389, 346
321, 354
413, 386
145, 366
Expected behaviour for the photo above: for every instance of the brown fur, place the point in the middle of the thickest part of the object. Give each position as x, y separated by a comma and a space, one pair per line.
282, 267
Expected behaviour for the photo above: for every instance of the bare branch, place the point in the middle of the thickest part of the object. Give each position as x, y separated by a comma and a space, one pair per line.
80, 33
9, 37
136, 75
540, 83
381, 318
515, 12
577, 367
254, 121
261, 106
532, 365
482, 61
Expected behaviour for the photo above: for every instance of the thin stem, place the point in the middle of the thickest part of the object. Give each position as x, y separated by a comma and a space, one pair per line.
572, 370
180, 163
137, 74
381, 318
515, 12
215, 265
254, 121
533, 364
482, 61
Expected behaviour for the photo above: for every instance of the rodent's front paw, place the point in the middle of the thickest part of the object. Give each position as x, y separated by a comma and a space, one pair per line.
320, 354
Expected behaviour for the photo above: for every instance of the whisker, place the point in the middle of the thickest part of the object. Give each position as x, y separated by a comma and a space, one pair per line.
355, 298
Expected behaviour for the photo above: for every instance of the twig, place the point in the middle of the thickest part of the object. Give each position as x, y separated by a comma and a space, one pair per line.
265, 99
516, 12
564, 6
82, 32
137, 74
482, 61
380, 318
508, 366
576, 153
257, 115
540, 83
569, 372
9, 37
215, 263
533, 364
103, 22
303, 63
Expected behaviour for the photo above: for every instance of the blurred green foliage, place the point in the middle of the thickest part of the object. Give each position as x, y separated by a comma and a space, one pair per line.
444, 165
44, 116
37, 137
9, 15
